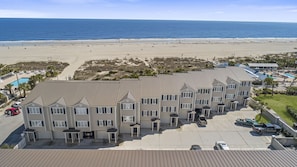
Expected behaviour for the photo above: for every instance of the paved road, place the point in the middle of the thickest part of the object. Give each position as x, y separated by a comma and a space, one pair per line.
10, 126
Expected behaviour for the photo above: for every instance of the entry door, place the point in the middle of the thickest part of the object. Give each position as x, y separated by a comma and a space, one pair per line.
135, 130
112, 136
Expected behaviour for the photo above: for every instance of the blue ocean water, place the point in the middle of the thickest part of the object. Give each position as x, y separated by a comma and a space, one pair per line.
13, 29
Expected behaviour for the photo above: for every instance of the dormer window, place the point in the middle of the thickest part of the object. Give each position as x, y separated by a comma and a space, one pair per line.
187, 94
58, 110
81, 111
127, 106
218, 88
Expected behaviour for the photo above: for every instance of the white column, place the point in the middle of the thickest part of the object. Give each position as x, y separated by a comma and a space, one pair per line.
193, 117
176, 121
72, 137
153, 123
108, 137
34, 139
171, 121
115, 137
138, 131
65, 137
78, 135
132, 129
158, 126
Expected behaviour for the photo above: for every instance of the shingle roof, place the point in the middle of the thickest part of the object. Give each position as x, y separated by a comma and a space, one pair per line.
146, 158
109, 93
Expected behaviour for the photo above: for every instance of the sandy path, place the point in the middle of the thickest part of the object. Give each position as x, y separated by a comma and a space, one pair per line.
77, 52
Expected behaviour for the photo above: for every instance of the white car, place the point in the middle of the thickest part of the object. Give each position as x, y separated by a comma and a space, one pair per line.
221, 145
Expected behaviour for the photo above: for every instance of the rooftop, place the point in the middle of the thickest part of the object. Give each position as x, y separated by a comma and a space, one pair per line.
44, 158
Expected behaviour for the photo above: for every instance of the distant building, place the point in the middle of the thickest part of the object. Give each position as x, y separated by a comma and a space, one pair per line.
72, 110
263, 66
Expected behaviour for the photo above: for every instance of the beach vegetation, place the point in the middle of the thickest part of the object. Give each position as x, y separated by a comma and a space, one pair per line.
3, 98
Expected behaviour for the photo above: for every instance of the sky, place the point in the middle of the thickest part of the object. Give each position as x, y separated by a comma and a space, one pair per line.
220, 10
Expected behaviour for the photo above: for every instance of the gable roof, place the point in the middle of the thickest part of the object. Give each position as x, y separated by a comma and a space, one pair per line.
109, 93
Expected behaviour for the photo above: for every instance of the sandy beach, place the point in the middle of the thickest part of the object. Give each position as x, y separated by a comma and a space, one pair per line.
77, 52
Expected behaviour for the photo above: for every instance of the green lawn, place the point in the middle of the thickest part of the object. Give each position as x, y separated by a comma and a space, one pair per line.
278, 103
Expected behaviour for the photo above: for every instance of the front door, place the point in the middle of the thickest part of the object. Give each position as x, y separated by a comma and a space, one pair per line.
134, 130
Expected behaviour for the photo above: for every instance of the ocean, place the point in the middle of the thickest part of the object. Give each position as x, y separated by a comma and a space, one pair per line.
13, 29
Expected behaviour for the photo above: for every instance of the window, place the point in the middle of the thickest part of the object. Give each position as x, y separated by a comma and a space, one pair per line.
105, 123
201, 101
169, 97
168, 109
217, 99
245, 83
186, 105
59, 124
243, 93
218, 88
58, 110
231, 86
81, 111
149, 101
203, 91
187, 94
104, 110
82, 124
127, 106
36, 123
128, 119
146, 113
34, 110
230, 96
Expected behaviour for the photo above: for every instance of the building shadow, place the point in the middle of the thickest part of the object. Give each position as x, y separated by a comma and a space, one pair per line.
14, 137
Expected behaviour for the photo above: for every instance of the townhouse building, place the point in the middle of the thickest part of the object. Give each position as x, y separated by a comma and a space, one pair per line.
74, 110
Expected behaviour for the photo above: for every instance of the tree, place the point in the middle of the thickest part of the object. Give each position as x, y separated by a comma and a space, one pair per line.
269, 82
24, 87
9, 88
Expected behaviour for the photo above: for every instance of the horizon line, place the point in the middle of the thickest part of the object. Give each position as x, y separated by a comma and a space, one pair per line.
145, 19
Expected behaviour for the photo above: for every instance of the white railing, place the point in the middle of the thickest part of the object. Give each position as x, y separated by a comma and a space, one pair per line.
21, 144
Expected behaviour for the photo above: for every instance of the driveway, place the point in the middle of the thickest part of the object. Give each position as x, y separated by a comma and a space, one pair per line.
220, 127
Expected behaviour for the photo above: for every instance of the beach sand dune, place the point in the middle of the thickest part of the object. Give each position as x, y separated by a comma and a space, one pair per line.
77, 52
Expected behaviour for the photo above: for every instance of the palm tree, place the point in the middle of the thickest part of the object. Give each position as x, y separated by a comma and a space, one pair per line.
32, 81
24, 87
269, 82
9, 88
39, 77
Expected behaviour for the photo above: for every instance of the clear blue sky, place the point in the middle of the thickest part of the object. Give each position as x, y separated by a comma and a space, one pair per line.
230, 10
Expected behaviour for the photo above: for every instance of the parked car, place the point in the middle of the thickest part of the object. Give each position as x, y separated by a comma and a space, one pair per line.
221, 145
12, 111
202, 120
267, 128
16, 105
245, 122
195, 147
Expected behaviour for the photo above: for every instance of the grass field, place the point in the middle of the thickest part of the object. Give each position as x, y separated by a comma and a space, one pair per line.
278, 103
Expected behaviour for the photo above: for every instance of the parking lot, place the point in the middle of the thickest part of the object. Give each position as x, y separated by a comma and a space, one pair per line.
220, 127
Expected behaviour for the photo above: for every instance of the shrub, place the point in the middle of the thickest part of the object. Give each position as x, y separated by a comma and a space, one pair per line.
292, 111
